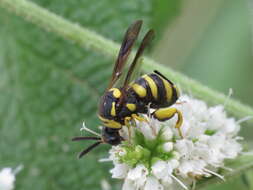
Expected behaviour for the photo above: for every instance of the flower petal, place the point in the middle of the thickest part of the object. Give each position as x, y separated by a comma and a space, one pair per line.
119, 171
153, 184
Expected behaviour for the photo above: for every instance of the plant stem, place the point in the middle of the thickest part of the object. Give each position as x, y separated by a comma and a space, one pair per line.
92, 41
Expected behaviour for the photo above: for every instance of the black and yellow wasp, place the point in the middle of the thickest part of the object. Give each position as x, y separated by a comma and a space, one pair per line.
119, 106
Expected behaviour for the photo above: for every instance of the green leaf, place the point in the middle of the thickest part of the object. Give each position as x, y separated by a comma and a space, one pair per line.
54, 94
49, 87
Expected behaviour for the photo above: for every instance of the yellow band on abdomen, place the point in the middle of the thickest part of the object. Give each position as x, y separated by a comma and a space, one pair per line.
168, 89
140, 90
152, 86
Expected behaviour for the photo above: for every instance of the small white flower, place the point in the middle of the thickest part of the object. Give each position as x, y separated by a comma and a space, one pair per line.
128, 185
167, 133
147, 130
138, 175
157, 158
115, 152
231, 149
119, 171
168, 146
161, 169
153, 184
7, 177
173, 163
191, 167
184, 147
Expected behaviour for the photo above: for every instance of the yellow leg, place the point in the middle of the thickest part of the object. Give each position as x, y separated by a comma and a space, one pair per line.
127, 124
139, 118
164, 114
134, 124
127, 121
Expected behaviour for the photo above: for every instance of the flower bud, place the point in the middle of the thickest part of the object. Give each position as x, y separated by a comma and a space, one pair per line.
167, 134
168, 146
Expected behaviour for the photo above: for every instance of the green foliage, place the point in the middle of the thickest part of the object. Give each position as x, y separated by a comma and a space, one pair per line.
162, 11
50, 86
225, 49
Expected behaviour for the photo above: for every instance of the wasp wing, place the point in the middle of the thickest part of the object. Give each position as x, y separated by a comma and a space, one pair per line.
126, 46
145, 42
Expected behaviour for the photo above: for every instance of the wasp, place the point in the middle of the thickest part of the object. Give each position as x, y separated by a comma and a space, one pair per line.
119, 106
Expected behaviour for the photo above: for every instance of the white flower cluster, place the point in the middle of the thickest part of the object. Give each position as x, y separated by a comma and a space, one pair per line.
157, 158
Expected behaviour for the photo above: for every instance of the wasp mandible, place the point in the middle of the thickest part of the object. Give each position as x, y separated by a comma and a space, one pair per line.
119, 106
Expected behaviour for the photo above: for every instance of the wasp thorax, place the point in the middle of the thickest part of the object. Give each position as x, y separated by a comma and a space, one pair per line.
110, 107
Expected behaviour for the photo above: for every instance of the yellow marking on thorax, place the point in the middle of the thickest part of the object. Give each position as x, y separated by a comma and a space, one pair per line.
152, 86
168, 89
116, 92
110, 123
140, 90
113, 110
131, 107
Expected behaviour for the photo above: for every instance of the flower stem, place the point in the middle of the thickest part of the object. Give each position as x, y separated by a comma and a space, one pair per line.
95, 42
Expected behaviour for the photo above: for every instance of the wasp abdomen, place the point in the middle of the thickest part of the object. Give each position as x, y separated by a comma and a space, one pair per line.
156, 90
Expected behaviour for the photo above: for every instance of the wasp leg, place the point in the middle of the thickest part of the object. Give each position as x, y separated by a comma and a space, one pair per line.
134, 123
139, 118
127, 124
164, 114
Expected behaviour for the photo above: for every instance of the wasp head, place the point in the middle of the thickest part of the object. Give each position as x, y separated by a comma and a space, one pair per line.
111, 136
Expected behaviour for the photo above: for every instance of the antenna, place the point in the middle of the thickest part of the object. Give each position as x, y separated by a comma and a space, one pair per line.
85, 151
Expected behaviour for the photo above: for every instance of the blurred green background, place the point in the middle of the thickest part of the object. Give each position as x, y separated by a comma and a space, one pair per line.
49, 86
